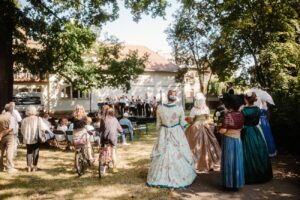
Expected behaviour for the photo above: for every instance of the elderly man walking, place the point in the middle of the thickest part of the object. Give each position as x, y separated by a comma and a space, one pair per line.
15, 119
7, 142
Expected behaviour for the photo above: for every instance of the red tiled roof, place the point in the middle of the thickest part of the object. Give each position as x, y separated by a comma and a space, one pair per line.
155, 62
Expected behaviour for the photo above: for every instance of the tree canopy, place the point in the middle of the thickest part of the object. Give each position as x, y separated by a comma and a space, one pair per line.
258, 38
191, 41
62, 32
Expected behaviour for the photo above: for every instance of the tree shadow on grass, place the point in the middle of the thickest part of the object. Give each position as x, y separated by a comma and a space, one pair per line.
283, 186
47, 185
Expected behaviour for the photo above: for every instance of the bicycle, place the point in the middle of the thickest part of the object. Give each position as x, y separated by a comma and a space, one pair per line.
105, 159
81, 156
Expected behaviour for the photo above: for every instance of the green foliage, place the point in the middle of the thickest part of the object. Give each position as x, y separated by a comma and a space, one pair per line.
61, 34
285, 118
138, 7
190, 39
117, 69
180, 74
259, 38
216, 87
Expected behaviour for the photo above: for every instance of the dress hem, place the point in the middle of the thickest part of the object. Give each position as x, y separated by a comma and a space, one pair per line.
168, 187
273, 154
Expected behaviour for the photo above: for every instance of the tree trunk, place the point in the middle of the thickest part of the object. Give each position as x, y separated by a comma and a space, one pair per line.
7, 9
208, 83
201, 82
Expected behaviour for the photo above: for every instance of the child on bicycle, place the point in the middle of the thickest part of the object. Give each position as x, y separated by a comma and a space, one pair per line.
110, 135
80, 133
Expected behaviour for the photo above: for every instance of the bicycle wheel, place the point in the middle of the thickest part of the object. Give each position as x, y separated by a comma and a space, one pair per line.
79, 163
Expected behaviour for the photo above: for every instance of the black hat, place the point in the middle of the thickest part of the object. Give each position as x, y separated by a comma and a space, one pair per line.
232, 101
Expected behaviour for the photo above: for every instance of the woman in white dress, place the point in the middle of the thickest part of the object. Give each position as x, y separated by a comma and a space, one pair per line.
172, 164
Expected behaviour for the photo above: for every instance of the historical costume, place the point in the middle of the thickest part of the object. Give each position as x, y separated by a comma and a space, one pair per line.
201, 138
232, 163
172, 163
257, 163
265, 126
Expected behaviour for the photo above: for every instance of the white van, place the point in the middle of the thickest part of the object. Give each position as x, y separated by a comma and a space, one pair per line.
24, 99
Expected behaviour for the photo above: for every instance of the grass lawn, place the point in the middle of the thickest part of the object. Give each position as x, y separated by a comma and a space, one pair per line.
57, 180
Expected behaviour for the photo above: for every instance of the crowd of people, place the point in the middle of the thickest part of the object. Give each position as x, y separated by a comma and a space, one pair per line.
104, 128
238, 141
134, 106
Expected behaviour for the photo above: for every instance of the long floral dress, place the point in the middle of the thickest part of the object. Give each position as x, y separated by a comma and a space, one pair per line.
172, 163
257, 163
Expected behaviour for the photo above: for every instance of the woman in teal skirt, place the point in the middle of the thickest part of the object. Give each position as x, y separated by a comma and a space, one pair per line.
257, 163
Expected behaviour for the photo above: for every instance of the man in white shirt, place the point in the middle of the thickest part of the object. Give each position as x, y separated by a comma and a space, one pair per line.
15, 119
8, 141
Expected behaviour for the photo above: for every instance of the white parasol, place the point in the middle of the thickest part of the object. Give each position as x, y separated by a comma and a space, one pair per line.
262, 95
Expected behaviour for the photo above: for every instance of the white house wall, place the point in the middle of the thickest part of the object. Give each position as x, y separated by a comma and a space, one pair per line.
150, 83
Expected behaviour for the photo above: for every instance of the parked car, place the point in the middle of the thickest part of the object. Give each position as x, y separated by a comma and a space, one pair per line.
24, 99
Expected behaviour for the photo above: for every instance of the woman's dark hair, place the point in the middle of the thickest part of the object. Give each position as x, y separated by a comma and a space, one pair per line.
231, 91
232, 101
250, 97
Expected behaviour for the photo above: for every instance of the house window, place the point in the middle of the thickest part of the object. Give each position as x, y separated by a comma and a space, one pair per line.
79, 94
66, 92
37, 89
69, 92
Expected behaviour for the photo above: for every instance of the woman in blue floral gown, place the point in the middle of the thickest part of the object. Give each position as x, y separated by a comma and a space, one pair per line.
172, 164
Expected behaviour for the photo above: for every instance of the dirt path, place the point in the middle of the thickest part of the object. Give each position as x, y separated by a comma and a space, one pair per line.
285, 184
57, 179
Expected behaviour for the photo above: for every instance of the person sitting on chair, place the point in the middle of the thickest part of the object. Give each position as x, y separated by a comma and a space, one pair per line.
63, 124
126, 122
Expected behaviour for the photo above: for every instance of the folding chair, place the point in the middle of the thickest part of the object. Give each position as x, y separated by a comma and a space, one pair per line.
126, 130
69, 139
60, 137
141, 125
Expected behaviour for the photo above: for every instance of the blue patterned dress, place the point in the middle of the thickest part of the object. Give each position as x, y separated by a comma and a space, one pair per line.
265, 126
172, 164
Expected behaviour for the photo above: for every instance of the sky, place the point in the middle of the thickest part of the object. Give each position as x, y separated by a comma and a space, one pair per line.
149, 32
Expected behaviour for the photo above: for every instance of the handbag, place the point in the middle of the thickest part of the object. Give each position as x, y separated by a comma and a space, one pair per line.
42, 136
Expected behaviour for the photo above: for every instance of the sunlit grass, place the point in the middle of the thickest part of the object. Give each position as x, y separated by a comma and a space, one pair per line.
57, 180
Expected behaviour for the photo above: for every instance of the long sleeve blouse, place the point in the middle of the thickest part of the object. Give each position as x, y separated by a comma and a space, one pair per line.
30, 128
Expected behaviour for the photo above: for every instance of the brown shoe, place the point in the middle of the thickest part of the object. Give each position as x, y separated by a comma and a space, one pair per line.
29, 169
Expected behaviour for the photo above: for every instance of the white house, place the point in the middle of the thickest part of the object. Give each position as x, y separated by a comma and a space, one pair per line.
157, 78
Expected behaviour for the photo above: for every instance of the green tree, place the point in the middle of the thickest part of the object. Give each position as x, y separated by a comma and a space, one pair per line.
260, 36
60, 42
191, 39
